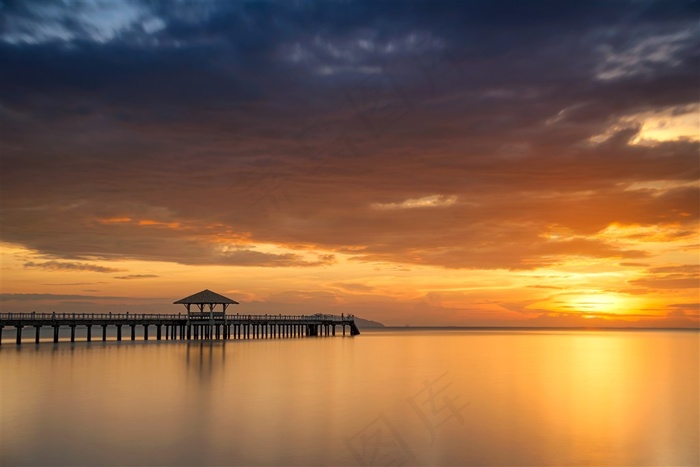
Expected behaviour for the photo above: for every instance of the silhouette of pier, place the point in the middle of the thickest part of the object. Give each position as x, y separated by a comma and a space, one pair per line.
177, 327
193, 325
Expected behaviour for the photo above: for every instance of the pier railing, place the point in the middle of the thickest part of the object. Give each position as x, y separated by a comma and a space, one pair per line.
198, 325
164, 316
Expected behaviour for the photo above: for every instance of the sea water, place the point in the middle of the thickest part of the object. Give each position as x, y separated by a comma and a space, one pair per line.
388, 397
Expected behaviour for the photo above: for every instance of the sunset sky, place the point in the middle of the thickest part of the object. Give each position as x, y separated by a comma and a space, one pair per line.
454, 163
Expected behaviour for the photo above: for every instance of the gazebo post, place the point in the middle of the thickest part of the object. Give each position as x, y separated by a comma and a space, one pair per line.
189, 330
202, 330
211, 321
225, 330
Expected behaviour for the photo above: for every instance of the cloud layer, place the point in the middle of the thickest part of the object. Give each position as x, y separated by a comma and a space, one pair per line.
475, 135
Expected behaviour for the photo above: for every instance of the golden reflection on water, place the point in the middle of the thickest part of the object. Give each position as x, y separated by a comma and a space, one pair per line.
383, 398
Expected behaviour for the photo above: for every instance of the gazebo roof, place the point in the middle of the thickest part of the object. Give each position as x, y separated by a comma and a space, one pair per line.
206, 297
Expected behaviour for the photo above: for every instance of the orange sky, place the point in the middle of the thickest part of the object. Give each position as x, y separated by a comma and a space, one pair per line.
448, 170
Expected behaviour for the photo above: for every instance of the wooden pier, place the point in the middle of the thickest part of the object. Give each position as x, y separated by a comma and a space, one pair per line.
201, 321
190, 326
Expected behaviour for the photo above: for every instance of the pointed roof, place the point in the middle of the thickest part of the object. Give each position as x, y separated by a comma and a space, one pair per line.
207, 297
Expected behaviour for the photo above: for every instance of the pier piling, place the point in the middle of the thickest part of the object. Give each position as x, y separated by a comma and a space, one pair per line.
178, 327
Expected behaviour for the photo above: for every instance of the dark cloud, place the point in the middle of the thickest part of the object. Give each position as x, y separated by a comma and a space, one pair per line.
215, 125
82, 303
685, 276
137, 276
51, 297
669, 282
353, 287
690, 269
75, 283
67, 266
685, 309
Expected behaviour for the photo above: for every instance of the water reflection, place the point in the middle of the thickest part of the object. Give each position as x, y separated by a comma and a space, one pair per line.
204, 358
561, 398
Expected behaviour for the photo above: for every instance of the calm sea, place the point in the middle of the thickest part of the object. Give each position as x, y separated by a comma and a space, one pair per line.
391, 397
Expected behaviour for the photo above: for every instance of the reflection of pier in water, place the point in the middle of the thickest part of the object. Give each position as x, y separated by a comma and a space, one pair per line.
194, 325
204, 356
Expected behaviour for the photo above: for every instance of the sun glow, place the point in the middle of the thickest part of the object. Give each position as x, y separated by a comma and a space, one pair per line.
599, 303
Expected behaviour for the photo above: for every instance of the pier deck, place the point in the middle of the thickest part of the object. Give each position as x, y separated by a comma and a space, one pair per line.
191, 326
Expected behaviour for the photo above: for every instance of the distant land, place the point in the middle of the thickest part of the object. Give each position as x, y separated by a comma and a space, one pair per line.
365, 323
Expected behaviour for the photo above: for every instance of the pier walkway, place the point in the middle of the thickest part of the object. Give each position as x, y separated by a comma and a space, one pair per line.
182, 326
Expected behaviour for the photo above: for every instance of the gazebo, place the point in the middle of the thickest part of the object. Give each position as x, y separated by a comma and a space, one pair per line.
207, 298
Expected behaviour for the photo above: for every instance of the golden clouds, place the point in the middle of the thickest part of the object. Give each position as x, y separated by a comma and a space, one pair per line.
650, 127
432, 201
141, 222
